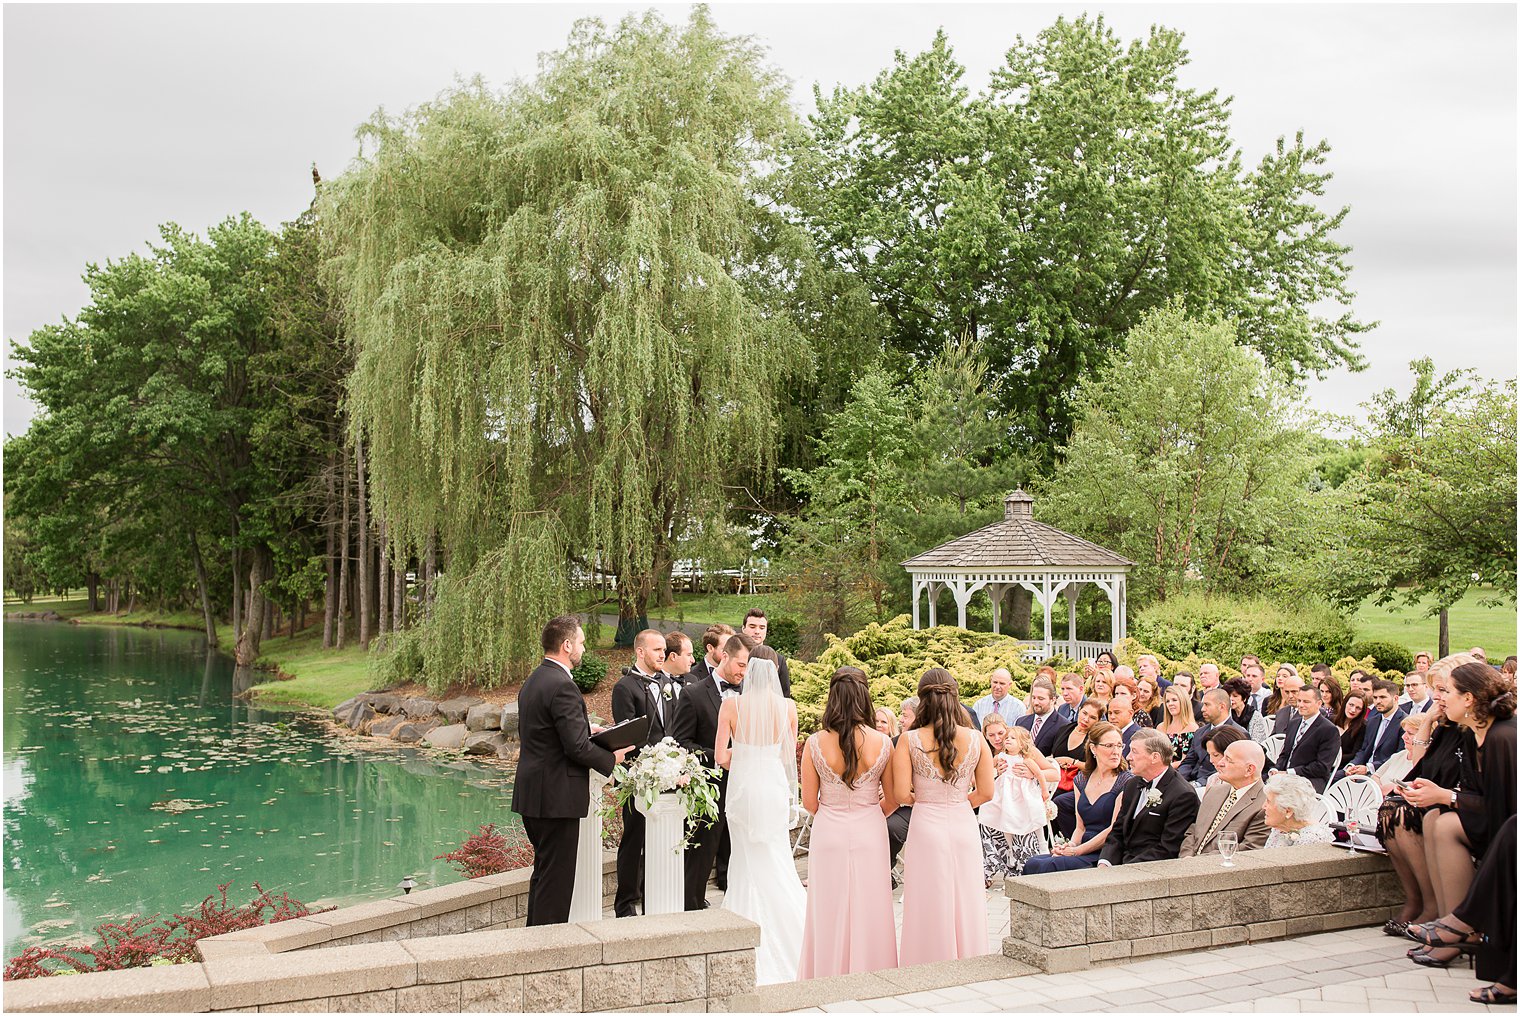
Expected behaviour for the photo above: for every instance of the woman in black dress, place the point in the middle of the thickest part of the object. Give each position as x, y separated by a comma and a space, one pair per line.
1353, 723
1477, 697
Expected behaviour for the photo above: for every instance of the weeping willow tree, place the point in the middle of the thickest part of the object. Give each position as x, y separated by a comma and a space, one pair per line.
567, 302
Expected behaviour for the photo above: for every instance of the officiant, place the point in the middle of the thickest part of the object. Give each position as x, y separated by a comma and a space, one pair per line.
552, 788
644, 690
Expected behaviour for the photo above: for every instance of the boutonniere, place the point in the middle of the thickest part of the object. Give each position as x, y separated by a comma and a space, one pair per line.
1153, 799
669, 692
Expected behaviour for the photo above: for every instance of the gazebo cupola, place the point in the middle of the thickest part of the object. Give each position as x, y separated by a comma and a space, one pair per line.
1018, 551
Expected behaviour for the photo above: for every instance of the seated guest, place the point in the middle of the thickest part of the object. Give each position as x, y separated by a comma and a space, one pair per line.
1415, 697
1484, 923
1289, 809
999, 701
1233, 804
1121, 713
1243, 709
1102, 688
1384, 733
1412, 728
1177, 722
1148, 700
1311, 745
1022, 782
1197, 768
1125, 684
1040, 720
1352, 723
1099, 785
1281, 706
1155, 810
886, 722
1331, 696
907, 714
1071, 697
1217, 743
1476, 696
1071, 752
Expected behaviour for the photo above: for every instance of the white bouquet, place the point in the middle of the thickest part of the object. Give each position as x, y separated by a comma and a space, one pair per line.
664, 767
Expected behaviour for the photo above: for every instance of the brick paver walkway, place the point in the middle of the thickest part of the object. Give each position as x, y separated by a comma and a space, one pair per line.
1357, 970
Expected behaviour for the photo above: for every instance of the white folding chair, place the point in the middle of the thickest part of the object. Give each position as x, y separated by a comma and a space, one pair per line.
801, 841
1322, 814
1273, 746
1354, 797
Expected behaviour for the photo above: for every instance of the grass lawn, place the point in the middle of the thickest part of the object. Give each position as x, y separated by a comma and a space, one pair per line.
1469, 625
320, 678
699, 608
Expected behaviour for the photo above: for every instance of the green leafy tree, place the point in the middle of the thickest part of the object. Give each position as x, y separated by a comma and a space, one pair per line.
1432, 513
568, 321
1048, 215
1186, 459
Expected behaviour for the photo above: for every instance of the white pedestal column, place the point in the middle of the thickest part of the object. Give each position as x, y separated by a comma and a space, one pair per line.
664, 859
586, 902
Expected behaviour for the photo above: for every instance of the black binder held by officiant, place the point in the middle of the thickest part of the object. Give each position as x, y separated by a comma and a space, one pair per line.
622, 735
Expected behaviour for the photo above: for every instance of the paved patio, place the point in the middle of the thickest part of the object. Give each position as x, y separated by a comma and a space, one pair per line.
1356, 970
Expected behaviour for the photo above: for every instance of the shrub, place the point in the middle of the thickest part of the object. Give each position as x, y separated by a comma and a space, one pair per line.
1227, 628
488, 852
590, 672
140, 942
894, 657
784, 635
1389, 655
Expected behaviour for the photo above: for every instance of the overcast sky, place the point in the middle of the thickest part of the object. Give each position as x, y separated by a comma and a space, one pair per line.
118, 118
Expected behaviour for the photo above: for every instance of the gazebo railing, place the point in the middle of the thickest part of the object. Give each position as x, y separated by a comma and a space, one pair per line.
1035, 652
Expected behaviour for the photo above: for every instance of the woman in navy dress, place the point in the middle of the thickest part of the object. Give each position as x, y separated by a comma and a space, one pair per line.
1098, 788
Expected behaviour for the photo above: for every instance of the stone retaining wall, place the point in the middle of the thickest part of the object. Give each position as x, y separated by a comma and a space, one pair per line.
693, 962
1071, 920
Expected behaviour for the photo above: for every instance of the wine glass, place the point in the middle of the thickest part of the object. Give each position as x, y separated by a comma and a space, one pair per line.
1227, 844
1352, 827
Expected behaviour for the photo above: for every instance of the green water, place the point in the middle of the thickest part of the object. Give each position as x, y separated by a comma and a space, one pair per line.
135, 783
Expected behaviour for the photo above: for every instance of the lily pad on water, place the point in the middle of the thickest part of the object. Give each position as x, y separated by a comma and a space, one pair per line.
183, 804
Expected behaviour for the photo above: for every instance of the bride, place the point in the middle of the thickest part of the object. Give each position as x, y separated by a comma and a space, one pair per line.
762, 792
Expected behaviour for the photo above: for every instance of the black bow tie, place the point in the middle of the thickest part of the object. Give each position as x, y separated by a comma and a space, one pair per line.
724, 687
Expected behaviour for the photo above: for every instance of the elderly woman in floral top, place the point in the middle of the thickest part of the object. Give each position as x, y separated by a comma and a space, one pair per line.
1289, 810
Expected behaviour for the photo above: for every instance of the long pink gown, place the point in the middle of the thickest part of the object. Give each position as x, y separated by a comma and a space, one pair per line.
944, 899
850, 927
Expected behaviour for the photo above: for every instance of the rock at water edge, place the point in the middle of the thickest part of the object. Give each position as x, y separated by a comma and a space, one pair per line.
484, 716
451, 736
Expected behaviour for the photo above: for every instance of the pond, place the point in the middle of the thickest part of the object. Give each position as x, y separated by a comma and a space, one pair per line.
136, 783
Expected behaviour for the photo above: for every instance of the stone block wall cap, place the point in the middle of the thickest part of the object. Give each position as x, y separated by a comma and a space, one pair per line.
698, 932
441, 899
179, 988
503, 952
362, 917
314, 973
283, 936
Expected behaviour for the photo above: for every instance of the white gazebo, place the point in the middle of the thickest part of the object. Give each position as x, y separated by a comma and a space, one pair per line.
1018, 551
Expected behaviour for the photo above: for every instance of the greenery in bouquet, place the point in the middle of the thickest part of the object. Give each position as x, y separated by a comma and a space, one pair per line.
665, 767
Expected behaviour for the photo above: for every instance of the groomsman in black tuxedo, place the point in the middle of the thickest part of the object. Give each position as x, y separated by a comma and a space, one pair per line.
1312, 743
755, 626
643, 690
712, 651
1154, 811
696, 729
552, 788
680, 658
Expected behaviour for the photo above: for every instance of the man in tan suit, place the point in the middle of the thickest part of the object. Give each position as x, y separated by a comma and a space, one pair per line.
1232, 803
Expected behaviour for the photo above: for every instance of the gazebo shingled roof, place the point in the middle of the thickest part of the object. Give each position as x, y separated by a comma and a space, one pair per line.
1018, 551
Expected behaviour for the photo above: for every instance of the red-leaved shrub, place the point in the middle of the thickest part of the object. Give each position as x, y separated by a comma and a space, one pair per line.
138, 941
488, 852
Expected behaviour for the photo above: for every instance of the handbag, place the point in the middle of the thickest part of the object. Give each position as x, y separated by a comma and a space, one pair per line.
1068, 779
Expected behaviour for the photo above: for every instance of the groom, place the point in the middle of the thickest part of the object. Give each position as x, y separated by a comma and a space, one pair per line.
696, 729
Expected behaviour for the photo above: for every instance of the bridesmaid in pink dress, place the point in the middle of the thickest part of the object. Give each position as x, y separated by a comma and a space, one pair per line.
847, 785
940, 769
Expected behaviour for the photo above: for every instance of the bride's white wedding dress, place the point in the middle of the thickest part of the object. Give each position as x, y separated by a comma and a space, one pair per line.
762, 877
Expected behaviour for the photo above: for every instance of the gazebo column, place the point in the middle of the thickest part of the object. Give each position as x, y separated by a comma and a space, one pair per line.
918, 588
1123, 608
995, 592
1073, 591
1045, 604
934, 588
962, 591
